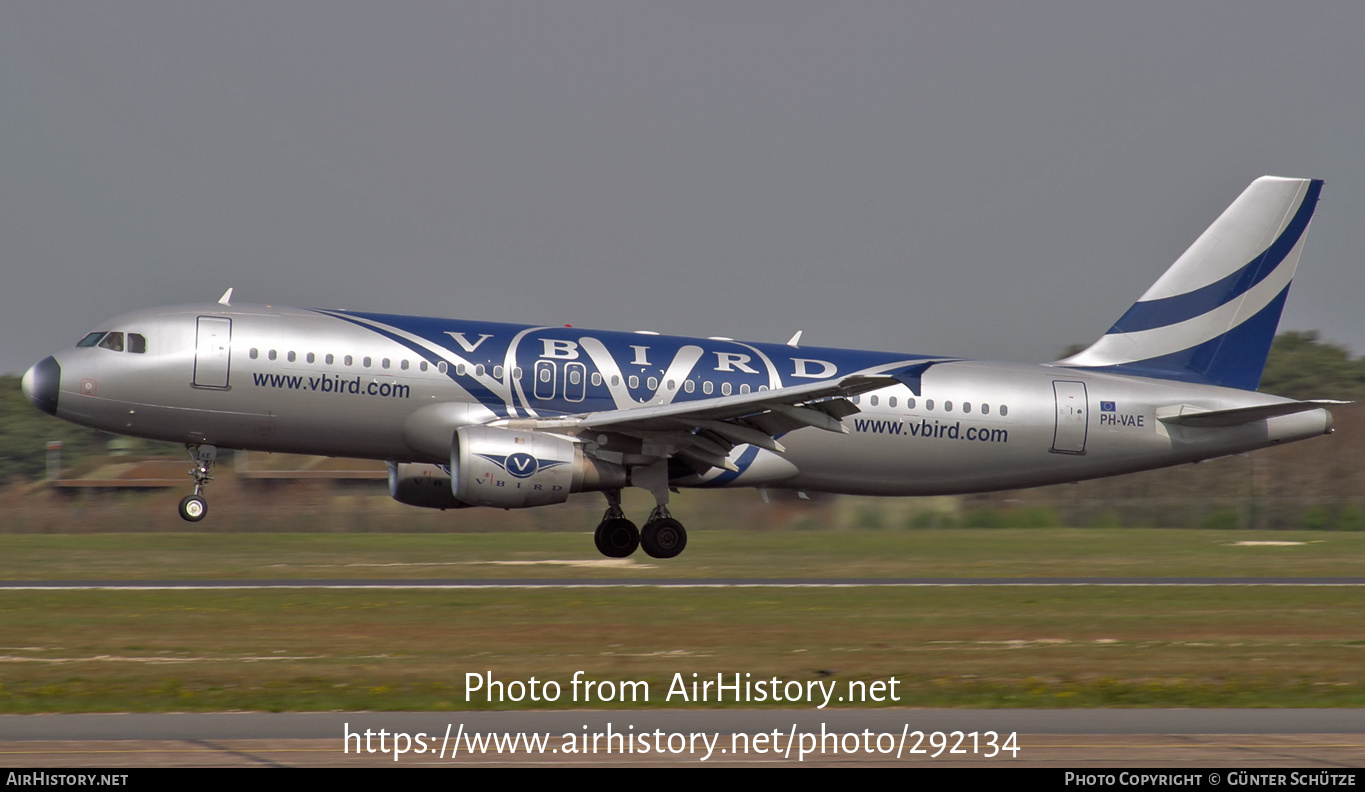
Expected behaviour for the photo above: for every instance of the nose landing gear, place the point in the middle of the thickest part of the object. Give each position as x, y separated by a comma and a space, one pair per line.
194, 508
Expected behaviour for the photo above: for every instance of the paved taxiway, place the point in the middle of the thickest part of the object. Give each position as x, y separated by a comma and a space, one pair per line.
1061, 738
521, 583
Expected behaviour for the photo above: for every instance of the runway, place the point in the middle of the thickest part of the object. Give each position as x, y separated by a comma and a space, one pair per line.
584, 583
1224, 738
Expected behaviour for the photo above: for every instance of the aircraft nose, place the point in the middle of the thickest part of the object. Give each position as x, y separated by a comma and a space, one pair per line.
41, 383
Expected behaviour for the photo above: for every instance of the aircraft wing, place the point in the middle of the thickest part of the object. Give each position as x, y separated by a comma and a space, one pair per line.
704, 431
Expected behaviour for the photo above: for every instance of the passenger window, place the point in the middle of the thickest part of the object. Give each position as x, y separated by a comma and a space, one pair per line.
615, 380
330, 359
422, 365
947, 406
312, 358
909, 404
137, 343
291, 357
689, 386
966, 407
253, 353
574, 377
872, 400
459, 370
652, 383
478, 370
929, 404
743, 389
113, 341
725, 389
545, 375
497, 372
707, 388
442, 367
891, 402
1004, 410
271, 354
348, 360
985, 409
856, 399
91, 339
596, 379
366, 361
516, 373
384, 363
634, 381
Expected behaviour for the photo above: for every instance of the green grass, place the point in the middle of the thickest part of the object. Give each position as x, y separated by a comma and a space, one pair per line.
1051, 646
1037, 552
394, 650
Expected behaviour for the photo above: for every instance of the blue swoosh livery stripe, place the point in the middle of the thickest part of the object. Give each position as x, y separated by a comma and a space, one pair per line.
1211, 363
1183, 307
485, 397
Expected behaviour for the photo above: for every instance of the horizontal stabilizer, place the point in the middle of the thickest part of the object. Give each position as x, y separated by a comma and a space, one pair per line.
1190, 416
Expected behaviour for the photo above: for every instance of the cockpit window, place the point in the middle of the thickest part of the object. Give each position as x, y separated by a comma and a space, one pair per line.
137, 342
113, 341
91, 340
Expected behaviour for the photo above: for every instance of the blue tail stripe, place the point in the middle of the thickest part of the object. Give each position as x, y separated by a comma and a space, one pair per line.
1182, 307
1234, 359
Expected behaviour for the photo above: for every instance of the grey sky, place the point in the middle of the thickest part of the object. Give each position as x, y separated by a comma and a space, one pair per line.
982, 179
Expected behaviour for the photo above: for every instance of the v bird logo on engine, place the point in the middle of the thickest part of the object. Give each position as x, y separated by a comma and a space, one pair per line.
455, 405
522, 465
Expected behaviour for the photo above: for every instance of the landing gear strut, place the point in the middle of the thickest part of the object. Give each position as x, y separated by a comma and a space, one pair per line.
194, 507
615, 537
662, 537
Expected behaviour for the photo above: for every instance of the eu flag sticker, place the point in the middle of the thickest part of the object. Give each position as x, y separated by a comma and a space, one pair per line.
1107, 407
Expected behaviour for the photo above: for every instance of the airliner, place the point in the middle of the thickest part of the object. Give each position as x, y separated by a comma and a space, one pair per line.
469, 413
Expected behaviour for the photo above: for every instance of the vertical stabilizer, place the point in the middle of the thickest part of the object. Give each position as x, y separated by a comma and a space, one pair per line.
1212, 316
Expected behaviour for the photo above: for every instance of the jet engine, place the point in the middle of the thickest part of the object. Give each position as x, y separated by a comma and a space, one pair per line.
513, 468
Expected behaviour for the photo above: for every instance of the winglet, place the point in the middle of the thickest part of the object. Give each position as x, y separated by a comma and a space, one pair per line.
226, 299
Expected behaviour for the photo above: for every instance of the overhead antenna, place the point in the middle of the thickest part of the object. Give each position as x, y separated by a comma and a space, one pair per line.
226, 299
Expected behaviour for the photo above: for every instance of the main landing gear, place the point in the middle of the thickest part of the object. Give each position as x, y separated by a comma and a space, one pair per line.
194, 508
663, 536
617, 537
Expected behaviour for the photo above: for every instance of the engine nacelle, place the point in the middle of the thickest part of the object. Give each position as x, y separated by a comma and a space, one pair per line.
513, 468
427, 486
